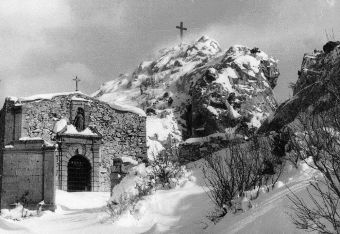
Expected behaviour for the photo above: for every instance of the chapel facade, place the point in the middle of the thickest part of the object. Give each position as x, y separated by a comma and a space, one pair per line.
67, 141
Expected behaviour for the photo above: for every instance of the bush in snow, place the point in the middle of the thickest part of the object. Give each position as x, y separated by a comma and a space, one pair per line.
21, 209
229, 173
232, 172
136, 184
165, 168
162, 173
319, 139
18, 213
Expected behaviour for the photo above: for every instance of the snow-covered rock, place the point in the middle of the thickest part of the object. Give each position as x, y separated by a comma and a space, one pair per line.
317, 80
201, 88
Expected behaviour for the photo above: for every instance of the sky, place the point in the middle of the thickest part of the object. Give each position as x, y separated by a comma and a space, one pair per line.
45, 44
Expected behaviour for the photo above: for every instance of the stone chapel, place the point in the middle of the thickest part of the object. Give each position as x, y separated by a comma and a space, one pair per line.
67, 141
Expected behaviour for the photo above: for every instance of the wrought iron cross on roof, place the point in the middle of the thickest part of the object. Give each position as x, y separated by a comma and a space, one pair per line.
181, 28
76, 80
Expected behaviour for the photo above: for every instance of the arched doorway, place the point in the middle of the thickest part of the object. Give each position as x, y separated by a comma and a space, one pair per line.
78, 174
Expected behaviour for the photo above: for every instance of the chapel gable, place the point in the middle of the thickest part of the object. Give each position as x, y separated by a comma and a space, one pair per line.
79, 113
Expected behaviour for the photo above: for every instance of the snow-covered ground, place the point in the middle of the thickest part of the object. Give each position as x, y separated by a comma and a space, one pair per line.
179, 210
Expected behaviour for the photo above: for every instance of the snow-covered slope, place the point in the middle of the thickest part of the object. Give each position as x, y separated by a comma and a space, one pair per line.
202, 88
180, 210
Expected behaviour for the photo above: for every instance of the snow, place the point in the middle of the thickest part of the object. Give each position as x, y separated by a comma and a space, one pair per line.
223, 79
113, 85
246, 87
71, 130
80, 200
183, 209
154, 148
46, 96
249, 63
262, 56
233, 112
279, 184
79, 99
270, 212
60, 125
145, 64
162, 127
128, 108
111, 99
257, 119
205, 139
126, 159
29, 138
127, 187
231, 73
212, 110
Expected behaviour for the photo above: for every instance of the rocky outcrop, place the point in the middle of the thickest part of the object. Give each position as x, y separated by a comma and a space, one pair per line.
234, 94
317, 83
329, 46
205, 89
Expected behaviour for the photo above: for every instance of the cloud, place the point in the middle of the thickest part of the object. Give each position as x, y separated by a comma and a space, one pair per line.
58, 80
331, 2
45, 43
69, 70
22, 25
111, 14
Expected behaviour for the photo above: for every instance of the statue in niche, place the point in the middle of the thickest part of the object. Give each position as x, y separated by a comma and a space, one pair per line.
79, 120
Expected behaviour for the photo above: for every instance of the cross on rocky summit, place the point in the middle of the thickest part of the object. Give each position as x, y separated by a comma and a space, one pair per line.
181, 28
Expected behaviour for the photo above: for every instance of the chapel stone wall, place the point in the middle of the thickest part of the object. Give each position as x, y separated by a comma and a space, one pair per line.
124, 133
28, 174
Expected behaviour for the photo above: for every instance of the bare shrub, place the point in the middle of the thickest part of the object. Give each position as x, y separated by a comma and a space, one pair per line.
319, 138
232, 173
162, 173
240, 170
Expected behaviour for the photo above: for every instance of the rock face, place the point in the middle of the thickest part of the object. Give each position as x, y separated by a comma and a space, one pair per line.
205, 89
318, 79
233, 95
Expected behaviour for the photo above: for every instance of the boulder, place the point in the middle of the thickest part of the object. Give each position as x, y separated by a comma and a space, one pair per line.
329, 46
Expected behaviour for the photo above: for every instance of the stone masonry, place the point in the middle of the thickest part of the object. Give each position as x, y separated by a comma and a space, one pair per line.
115, 134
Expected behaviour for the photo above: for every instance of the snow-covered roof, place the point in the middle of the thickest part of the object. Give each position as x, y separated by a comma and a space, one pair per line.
46, 96
79, 99
30, 138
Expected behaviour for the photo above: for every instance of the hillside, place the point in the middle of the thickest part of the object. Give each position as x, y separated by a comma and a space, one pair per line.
198, 89
232, 92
